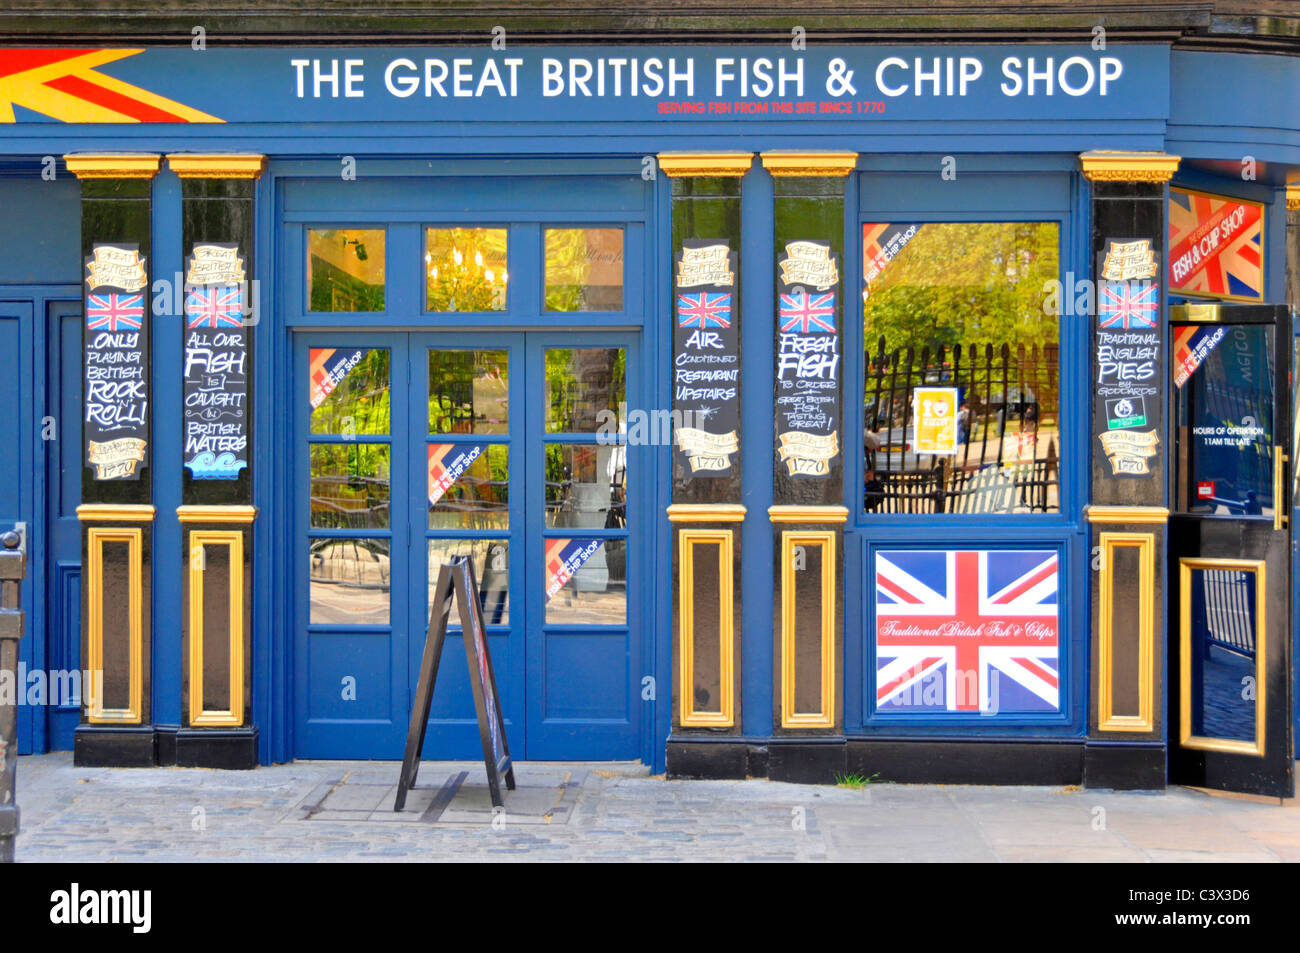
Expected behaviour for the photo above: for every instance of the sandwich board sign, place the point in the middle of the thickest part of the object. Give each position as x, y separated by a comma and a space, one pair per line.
456, 580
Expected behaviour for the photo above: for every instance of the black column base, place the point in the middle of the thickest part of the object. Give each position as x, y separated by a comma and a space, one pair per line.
903, 760
105, 746
1124, 767
229, 748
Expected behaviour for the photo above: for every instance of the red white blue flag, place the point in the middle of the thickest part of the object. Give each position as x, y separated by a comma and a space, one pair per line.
214, 307
808, 314
967, 631
1128, 305
114, 312
704, 310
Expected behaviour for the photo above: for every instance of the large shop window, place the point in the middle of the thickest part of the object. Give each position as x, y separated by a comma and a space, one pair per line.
962, 362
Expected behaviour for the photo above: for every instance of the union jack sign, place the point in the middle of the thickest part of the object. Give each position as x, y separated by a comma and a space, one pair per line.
967, 631
214, 307
704, 310
1128, 305
808, 314
114, 312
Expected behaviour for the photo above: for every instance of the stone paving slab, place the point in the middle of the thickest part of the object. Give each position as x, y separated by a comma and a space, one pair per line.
342, 812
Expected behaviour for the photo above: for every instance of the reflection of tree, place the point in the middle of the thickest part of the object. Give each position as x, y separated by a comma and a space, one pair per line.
466, 269
959, 282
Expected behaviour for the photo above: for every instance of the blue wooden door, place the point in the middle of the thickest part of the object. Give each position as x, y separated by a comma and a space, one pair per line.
62, 496
412, 448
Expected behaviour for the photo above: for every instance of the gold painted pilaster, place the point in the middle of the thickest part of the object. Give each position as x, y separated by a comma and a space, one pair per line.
1106, 166
789, 163
713, 164
808, 514
1127, 514
216, 514
96, 537
115, 513
706, 513
216, 166
1144, 720
725, 716
233, 541
113, 165
824, 717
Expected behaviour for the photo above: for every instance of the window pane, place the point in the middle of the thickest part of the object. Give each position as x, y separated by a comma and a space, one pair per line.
348, 390
580, 384
962, 367
349, 581
586, 486
349, 485
465, 269
492, 567
345, 269
586, 581
1225, 620
584, 269
469, 486
1223, 400
469, 392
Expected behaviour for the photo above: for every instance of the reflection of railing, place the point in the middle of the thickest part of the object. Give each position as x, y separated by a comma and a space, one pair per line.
1006, 459
1230, 610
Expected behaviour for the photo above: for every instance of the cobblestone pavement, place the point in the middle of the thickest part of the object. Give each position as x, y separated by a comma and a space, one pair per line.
342, 811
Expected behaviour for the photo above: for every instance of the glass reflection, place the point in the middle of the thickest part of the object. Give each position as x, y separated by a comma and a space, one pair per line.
469, 486
962, 307
469, 392
349, 485
492, 568
465, 269
584, 388
345, 269
586, 486
584, 269
349, 581
1224, 624
349, 391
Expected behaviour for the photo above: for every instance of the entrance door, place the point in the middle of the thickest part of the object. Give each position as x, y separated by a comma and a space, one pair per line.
1229, 545
417, 447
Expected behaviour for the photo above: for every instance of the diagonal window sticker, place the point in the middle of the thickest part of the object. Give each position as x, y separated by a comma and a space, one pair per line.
1192, 345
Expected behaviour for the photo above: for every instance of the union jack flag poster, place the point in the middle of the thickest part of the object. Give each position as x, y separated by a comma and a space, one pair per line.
704, 310
1215, 246
808, 314
967, 631
214, 307
1128, 305
114, 312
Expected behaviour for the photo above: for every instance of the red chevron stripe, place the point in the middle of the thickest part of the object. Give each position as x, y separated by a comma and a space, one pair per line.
82, 89
17, 61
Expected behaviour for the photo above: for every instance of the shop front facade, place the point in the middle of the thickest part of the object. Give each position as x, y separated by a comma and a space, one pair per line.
921, 412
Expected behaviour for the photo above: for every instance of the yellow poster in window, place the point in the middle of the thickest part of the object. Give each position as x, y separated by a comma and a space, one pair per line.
935, 412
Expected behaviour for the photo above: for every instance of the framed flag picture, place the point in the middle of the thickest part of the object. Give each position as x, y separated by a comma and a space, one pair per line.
1216, 246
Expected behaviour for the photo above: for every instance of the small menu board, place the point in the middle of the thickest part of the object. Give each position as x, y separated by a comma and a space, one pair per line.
215, 398
456, 580
706, 360
116, 358
808, 359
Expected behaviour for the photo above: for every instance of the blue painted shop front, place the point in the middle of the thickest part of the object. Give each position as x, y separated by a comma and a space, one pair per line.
589, 671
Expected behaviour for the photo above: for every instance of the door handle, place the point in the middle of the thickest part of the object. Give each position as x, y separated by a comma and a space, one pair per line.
1280, 461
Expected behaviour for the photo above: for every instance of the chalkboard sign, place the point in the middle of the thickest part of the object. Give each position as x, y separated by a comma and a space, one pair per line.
215, 397
1128, 404
116, 362
808, 360
456, 580
706, 360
